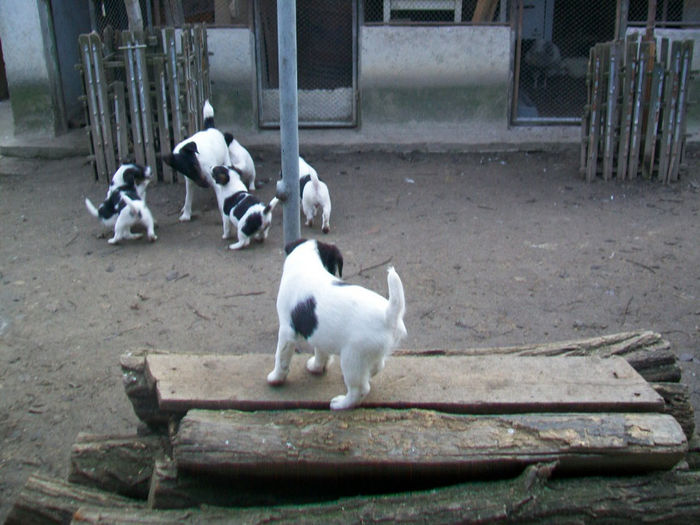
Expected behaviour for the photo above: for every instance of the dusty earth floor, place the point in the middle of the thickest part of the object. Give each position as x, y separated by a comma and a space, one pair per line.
493, 249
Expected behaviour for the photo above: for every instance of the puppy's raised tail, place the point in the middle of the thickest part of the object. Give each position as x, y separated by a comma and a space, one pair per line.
208, 115
271, 205
397, 305
91, 208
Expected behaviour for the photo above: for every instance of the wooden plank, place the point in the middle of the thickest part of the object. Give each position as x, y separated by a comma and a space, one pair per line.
627, 109
103, 102
638, 111
679, 125
132, 86
671, 91
654, 115
612, 110
532, 497
144, 98
122, 124
596, 110
97, 141
420, 443
486, 384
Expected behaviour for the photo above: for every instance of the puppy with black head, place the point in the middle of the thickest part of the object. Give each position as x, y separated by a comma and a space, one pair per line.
125, 203
335, 317
196, 156
250, 217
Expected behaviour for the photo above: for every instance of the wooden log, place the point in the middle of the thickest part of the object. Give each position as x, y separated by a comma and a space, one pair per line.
677, 403
640, 97
679, 125
419, 444
45, 500
531, 497
120, 464
461, 384
647, 352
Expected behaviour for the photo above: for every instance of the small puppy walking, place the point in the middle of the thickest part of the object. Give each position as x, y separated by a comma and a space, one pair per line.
314, 196
125, 204
196, 156
245, 211
335, 317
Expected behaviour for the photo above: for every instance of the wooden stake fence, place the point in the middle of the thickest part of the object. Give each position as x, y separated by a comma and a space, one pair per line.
635, 120
142, 96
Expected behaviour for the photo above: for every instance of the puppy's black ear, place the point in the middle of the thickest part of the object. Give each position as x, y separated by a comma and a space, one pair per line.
139, 173
190, 147
289, 247
331, 257
129, 176
168, 158
228, 137
220, 175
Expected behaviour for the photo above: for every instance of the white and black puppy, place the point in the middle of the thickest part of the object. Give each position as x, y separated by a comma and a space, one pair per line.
335, 317
244, 211
314, 196
241, 161
125, 204
196, 156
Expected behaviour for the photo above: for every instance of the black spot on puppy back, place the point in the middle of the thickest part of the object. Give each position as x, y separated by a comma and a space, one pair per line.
252, 224
304, 320
331, 257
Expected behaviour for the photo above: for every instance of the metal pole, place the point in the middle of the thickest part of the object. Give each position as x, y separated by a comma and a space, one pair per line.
288, 187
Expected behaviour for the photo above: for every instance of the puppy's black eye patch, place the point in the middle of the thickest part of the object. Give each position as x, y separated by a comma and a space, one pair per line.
304, 320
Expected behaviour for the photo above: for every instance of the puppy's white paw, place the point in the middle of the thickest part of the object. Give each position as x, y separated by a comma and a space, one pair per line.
276, 378
315, 367
152, 238
185, 217
113, 240
341, 403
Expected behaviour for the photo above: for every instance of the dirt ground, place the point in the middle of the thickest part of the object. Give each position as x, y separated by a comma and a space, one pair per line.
493, 249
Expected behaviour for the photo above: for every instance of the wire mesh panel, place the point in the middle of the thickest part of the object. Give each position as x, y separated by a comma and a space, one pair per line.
434, 11
554, 39
326, 63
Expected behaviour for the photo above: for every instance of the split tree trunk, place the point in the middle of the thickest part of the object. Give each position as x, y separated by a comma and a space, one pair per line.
662, 497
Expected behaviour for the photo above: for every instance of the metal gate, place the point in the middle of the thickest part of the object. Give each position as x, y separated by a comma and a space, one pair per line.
326, 63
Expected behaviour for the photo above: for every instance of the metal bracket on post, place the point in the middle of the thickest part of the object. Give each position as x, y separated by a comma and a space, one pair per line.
288, 187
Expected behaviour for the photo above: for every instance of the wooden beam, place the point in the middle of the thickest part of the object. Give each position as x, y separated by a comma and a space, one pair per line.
464, 384
419, 444
531, 497
48, 500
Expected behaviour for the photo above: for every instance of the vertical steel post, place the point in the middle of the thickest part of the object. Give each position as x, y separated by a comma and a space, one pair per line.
288, 187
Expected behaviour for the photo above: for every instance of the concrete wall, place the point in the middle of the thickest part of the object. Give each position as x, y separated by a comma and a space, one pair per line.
434, 74
32, 67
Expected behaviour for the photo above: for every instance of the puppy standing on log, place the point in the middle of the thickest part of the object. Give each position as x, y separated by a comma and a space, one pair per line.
335, 317
245, 211
196, 156
125, 204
